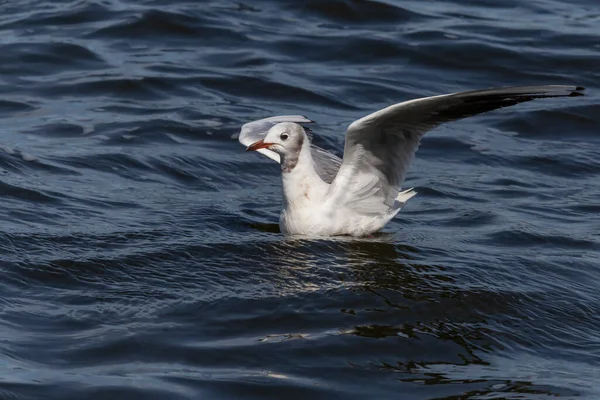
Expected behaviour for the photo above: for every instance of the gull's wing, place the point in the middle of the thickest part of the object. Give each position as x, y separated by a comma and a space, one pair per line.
327, 164
380, 146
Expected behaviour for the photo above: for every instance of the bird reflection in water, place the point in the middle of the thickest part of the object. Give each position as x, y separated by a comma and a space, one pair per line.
443, 323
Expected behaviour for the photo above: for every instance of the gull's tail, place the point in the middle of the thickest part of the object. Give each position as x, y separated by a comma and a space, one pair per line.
404, 196
400, 201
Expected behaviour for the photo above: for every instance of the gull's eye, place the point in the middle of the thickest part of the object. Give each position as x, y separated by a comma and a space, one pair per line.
284, 136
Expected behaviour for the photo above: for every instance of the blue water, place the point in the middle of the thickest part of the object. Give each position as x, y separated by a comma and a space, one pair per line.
139, 249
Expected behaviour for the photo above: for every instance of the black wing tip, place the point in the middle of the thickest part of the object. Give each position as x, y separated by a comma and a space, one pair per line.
571, 91
308, 120
577, 92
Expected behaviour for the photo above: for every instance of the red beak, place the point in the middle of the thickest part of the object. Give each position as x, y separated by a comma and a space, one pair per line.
261, 144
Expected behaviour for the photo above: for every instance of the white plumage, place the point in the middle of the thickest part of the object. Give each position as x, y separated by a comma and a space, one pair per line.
360, 194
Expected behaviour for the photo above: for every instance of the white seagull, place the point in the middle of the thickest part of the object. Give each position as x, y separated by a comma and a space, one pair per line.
360, 194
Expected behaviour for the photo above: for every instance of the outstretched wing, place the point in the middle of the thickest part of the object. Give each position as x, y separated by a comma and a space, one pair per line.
380, 146
327, 164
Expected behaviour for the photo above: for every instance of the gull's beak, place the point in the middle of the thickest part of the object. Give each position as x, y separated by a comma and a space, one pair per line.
261, 144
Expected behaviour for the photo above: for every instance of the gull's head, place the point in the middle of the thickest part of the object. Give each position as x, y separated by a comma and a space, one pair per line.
285, 139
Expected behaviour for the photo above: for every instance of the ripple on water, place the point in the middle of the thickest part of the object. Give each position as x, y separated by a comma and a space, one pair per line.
141, 255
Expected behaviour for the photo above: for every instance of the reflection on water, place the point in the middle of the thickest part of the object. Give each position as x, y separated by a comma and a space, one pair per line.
442, 327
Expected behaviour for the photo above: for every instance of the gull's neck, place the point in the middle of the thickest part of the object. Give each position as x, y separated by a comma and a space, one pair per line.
301, 183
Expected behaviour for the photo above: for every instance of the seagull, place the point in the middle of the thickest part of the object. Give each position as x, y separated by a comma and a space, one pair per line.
358, 195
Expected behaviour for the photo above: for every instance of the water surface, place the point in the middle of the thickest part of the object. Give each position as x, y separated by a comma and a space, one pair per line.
139, 249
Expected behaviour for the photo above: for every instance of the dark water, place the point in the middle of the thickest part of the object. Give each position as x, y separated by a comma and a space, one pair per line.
140, 256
